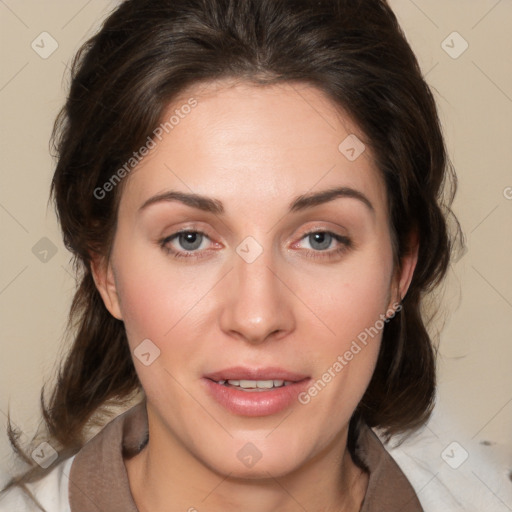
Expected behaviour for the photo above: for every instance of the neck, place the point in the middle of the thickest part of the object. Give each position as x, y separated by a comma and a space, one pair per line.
165, 476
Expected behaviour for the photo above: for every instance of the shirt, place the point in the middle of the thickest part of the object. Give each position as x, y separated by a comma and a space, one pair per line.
95, 479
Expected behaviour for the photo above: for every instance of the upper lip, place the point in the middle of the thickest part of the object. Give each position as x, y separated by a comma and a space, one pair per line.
246, 373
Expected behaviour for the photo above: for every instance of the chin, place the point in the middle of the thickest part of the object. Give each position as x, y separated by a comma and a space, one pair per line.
243, 460
260, 471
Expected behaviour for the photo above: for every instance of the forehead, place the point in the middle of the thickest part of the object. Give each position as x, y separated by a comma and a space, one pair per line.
255, 145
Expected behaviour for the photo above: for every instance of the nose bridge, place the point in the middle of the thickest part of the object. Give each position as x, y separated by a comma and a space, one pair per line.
257, 304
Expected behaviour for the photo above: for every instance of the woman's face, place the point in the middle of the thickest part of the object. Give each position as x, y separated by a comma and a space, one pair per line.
255, 296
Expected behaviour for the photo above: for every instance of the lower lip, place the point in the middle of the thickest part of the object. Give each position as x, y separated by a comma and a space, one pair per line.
255, 403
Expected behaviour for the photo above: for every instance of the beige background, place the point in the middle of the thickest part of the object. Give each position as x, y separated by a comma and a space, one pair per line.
474, 94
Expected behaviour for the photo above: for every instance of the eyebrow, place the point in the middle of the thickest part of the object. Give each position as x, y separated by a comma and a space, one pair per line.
302, 202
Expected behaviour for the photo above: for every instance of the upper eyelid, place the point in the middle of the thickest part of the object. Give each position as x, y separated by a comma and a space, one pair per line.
197, 227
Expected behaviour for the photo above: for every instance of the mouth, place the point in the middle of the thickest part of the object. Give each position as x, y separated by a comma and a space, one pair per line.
255, 378
255, 392
254, 385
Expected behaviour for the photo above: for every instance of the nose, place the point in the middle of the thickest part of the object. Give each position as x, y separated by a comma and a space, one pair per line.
257, 303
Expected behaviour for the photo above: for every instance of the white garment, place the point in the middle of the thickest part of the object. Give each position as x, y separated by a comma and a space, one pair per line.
51, 491
476, 481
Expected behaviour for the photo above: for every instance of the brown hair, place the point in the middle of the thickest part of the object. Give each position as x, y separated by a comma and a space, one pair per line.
145, 55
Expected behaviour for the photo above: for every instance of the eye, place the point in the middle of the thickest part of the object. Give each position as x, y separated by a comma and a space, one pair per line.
188, 244
189, 241
321, 241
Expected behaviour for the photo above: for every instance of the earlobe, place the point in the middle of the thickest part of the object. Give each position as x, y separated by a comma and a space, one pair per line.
104, 279
408, 265
405, 272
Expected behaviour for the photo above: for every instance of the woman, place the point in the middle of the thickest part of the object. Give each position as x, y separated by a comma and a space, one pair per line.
253, 192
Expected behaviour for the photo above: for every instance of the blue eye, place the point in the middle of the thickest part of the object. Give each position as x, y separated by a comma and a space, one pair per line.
190, 242
321, 240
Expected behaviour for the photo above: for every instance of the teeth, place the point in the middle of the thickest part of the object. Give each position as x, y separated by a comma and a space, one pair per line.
257, 384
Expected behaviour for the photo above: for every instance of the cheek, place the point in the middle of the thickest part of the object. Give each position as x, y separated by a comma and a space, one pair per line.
154, 295
349, 298
158, 303
349, 304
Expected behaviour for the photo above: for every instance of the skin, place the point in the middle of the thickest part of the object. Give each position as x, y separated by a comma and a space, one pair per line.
255, 149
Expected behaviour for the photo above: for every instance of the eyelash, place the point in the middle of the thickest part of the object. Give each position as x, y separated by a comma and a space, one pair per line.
346, 244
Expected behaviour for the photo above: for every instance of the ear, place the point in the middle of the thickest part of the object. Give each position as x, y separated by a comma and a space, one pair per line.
405, 271
104, 278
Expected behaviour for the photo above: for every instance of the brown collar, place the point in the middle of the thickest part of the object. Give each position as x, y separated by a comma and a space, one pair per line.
98, 481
